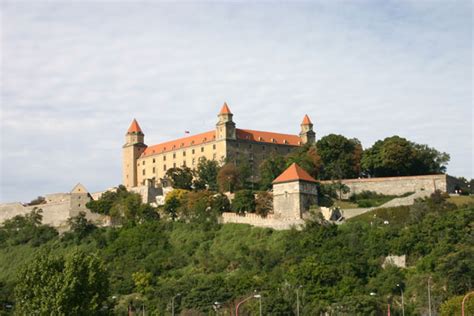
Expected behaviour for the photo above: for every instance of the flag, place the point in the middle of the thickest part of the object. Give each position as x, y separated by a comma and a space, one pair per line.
186, 132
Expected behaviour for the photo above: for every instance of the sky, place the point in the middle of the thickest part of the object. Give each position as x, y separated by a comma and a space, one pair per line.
75, 74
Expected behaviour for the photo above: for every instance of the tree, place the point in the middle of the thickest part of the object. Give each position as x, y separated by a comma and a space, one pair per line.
263, 203
244, 201
123, 206
340, 157
229, 178
206, 175
453, 306
270, 169
174, 201
80, 226
180, 178
74, 284
27, 229
397, 156
308, 158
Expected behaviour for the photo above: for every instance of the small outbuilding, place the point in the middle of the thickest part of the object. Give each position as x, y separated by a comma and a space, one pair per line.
294, 191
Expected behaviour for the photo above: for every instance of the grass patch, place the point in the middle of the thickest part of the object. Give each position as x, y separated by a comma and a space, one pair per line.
461, 200
344, 204
394, 215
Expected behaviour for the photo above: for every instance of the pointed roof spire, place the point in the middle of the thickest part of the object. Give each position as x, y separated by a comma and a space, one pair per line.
225, 109
306, 120
134, 127
294, 173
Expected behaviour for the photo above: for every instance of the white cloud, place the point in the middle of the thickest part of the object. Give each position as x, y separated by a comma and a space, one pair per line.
74, 75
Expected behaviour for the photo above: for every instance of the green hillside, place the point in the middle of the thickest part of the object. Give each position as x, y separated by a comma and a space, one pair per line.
333, 268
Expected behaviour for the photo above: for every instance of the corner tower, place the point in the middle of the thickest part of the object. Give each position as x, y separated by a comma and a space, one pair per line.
225, 127
307, 134
132, 149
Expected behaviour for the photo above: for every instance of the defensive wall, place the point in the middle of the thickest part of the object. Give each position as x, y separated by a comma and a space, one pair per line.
57, 208
270, 221
400, 185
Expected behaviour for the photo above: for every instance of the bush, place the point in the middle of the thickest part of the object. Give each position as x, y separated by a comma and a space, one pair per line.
244, 201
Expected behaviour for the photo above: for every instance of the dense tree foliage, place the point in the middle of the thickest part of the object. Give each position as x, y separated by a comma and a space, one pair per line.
244, 201
397, 156
75, 284
340, 157
123, 206
26, 229
206, 175
229, 178
334, 267
180, 178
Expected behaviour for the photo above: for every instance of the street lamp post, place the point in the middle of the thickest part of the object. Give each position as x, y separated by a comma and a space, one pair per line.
464, 301
298, 300
245, 300
403, 305
172, 303
429, 296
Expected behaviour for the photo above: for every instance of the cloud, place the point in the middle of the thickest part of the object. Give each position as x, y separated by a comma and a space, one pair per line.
74, 75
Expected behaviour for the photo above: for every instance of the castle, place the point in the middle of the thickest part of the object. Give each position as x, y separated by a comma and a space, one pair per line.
142, 164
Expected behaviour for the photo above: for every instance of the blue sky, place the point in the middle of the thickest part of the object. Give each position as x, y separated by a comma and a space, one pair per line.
74, 75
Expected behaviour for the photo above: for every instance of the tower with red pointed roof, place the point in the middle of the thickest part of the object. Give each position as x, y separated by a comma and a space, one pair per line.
307, 134
131, 151
225, 127
294, 192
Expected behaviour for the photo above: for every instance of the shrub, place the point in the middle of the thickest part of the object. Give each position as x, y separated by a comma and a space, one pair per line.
244, 201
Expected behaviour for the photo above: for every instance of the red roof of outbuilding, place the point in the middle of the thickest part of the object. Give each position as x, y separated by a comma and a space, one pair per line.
134, 127
294, 173
225, 109
306, 120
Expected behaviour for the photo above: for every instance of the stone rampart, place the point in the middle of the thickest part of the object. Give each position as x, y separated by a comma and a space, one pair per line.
256, 220
400, 185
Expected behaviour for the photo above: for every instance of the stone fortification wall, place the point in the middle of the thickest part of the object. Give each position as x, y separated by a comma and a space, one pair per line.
256, 220
54, 213
400, 185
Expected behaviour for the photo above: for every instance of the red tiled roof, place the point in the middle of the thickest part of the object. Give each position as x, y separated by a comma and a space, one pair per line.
225, 109
306, 120
180, 143
244, 134
134, 127
268, 137
294, 173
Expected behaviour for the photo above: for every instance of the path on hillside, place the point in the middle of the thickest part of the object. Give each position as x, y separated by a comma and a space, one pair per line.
401, 201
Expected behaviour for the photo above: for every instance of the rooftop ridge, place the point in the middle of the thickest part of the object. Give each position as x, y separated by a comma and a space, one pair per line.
294, 173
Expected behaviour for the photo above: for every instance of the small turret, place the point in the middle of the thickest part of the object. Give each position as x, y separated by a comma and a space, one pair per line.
307, 134
134, 134
225, 127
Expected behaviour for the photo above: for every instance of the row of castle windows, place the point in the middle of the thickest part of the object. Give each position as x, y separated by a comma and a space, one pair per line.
184, 154
174, 165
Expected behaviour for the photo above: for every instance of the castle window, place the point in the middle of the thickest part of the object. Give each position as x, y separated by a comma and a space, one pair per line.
143, 172
214, 156
79, 205
164, 158
153, 160
250, 146
143, 162
192, 151
263, 147
154, 170
289, 149
174, 164
174, 155
164, 167
194, 161
184, 163
202, 149
214, 146
184, 153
